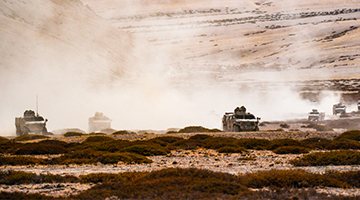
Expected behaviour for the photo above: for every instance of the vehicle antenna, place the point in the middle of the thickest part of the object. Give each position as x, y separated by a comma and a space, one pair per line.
37, 113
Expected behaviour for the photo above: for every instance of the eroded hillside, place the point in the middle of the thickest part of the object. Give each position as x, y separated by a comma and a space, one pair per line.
234, 38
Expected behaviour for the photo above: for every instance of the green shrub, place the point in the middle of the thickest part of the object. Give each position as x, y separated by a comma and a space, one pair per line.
197, 129
283, 142
71, 134
146, 150
320, 143
21, 160
27, 137
350, 135
291, 150
229, 149
341, 157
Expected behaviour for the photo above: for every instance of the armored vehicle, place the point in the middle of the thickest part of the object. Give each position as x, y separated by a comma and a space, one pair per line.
99, 122
239, 120
339, 108
30, 123
315, 115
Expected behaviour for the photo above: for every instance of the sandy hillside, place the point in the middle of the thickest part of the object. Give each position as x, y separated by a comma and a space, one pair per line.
232, 37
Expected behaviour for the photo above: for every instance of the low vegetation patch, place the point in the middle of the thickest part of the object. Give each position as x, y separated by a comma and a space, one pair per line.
122, 132
92, 157
39, 149
319, 143
197, 129
191, 184
19, 177
349, 135
289, 179
283, 142
21, 160
291, 150
27, 137
146, 150
340, 157
71, 134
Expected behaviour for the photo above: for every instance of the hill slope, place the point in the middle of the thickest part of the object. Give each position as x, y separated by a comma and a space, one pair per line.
234, 38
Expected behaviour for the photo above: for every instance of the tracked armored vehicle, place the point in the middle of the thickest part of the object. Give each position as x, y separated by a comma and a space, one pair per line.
30, 123
339, 108
239, 120
315, 115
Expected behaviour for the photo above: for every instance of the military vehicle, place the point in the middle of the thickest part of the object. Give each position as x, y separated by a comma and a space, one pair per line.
30, 123
99, 122
358, 105
339, 108
239, 120
315, 115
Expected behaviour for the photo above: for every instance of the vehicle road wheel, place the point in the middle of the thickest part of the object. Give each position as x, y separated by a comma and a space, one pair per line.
237, 128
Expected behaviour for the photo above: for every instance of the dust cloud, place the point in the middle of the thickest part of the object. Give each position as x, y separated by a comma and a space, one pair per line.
143, 92
149, 101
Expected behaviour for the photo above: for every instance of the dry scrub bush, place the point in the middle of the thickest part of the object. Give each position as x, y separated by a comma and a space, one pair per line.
27, 137
165, 140
123, 132
252, 143
320, 143
350, 135
351, 177
71, 134
197, 129
98, 139
341, 157
92, 157
219, 142
4, 140
19, 177
39, 149
168, 183
291, 150
343, 144
21, 195
146, 150
283, 142
21, 160
289, 178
